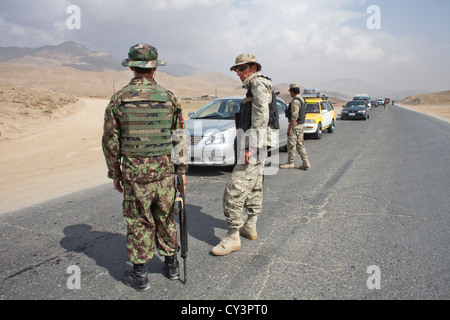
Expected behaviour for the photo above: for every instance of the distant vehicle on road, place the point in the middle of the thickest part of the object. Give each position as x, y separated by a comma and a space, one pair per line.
380, 101
365, 97
356, 109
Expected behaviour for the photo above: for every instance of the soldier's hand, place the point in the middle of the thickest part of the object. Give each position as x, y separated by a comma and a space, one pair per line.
248, 154
118, 184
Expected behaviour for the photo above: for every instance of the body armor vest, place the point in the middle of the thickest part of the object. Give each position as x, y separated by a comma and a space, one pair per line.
244, 117
301, 114
145, 122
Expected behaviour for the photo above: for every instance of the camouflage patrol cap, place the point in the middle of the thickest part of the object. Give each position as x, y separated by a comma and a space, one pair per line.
245, 58
143, 56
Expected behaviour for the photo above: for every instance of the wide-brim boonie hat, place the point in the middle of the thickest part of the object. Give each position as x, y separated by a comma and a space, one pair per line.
293, 85
143, 56
245, 58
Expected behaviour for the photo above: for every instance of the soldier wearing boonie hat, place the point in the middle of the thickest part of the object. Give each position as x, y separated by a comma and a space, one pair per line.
246, 58
137, 145
143, 56
296, 113
245, 187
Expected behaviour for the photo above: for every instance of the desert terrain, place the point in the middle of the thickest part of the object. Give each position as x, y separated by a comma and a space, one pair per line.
52, 117
50, 144
435, 104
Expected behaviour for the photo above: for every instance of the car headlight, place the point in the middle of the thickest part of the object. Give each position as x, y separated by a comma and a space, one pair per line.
362, 111
217, 138
310, 121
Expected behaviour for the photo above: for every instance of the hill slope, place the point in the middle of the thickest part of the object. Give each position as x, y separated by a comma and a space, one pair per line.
435, 98
83, 83
69, 53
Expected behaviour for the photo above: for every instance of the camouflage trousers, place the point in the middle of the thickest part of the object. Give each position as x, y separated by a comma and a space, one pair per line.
148, 209
243, 190
296, 142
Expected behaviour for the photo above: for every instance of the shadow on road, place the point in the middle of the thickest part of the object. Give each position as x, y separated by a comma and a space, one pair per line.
209, 171
201, 225
107, 249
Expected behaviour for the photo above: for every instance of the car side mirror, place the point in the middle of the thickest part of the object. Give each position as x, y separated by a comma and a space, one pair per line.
190, 114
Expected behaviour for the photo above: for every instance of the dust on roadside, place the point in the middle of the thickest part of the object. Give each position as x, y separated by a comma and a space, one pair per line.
27, 110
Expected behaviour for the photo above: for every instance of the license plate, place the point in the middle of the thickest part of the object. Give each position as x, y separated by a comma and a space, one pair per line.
351, 114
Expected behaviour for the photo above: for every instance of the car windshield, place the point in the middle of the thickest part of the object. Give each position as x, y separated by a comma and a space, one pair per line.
312, 108
218, 109
356, 104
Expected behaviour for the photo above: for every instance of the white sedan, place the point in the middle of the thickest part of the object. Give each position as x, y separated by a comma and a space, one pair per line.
213, 133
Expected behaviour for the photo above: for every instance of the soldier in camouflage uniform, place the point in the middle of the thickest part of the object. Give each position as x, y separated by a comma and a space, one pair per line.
296, 114
137, 145
245, 187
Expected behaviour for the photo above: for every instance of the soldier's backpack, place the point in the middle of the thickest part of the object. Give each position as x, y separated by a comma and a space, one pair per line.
274, 119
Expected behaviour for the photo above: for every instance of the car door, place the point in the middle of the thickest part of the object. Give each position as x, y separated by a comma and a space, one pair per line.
330, 112
284, 123
325, 115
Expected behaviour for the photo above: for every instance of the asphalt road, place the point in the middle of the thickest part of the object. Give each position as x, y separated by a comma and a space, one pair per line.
369, 220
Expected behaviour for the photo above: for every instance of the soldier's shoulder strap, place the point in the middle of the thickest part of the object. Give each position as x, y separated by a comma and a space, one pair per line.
132, 93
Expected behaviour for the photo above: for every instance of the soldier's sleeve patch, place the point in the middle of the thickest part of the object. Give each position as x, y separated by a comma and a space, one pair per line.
106, 117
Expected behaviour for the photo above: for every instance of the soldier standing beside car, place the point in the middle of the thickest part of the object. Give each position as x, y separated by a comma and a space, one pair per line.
245, 187
296, 114
137, 145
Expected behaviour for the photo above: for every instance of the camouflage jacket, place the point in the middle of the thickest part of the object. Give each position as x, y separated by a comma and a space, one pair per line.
261, 89
140, 169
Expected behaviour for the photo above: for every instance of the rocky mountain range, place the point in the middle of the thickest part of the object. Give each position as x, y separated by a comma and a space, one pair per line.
76, 56
70, 54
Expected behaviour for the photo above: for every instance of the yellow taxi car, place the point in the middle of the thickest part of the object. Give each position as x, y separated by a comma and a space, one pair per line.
320, 115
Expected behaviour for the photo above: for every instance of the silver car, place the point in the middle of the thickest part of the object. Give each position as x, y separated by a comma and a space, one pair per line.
212, 131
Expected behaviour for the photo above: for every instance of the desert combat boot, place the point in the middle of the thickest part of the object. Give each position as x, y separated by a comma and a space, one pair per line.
230, 243
305, 165
287, 166
249, 228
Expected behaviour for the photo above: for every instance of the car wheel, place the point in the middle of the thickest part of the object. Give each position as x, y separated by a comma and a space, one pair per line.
331, 127
318, 133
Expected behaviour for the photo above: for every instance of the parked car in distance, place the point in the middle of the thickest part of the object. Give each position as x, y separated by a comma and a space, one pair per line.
212, 131
356, 109
320, 115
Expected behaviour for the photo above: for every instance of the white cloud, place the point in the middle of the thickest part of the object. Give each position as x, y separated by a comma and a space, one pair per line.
292, 38
408, 59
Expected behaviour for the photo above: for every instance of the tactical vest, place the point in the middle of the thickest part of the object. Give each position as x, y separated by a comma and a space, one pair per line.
145, 122
244, 117
302, 111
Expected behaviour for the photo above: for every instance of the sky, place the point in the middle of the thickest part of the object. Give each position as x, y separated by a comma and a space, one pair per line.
393, 44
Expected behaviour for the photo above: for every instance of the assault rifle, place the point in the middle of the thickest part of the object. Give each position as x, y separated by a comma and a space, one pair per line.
181, 210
